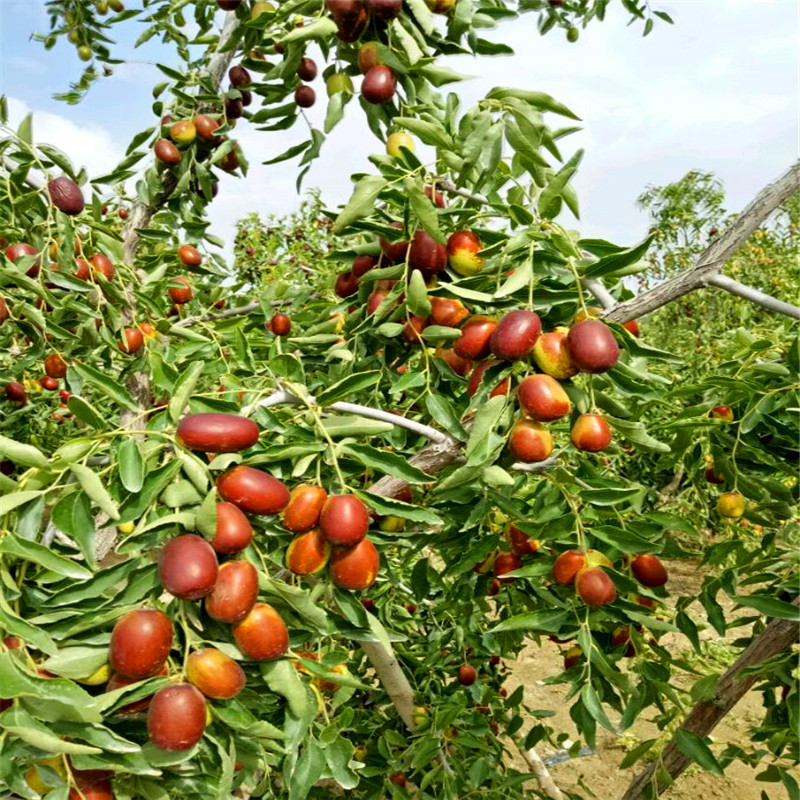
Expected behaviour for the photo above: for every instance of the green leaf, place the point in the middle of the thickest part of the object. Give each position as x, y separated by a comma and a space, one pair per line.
86, 412
695, 748
131, 465
19, 723
540, 100
21, 453
347, 425
13, 625
417, 296
106, 385
487, 418
25, 130
520, 279
73, 515
321, 29
76, 662
635, 433
592, 703
307, 771
281, 677
12, 545
183, 389
8, 502
361, 203
770, 606
431, 133
545, 621
93, 487
556, 185
424, 210
613, 262
389, 507
347, 387
441, 410
387, 462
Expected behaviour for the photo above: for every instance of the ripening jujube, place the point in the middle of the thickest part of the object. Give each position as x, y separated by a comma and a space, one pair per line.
235, 592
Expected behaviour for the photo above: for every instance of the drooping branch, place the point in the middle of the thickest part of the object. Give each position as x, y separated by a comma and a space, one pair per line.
714, 257
704, 717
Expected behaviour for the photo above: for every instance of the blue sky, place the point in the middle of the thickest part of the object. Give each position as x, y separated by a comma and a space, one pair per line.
717, 91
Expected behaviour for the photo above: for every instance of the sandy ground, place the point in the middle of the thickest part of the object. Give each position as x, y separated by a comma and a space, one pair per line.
601, 773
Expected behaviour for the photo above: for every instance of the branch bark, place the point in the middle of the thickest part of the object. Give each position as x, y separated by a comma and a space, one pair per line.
714, 257
704, 717
538, 768
754, 295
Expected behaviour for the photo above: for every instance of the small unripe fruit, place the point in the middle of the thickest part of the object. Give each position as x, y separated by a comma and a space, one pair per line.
183, 132
725, 413
731, 505
396, 140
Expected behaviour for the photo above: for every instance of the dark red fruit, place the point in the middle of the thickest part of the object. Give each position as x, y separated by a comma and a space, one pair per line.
506, 562
378, 85
592, 346
234, 593
51, 384
385, 10
344, 520
16, 392
190, 256
253, 491
176, 718
426, 254
476, 379
649, 570
395, 252
217, 433
65, 195
305, 96
188, 567
166, 152
233, 532
475, 336
568, 565
595, 587
55, 366
132, 340
362, 265
346, 284
307, 70
515, 335
140, 643
239, 76
102, 264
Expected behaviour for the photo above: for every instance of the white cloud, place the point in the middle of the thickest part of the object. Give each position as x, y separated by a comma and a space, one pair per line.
92, 147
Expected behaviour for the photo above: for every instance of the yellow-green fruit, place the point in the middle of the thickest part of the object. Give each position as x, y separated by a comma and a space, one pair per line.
183, 132
85, 52
441, 6
100, 675
34, 778
339, 82
116, 5
74, 36
261, 8
421, 718
397, 140
102, 7
392, 524
360, 753
731, 505
573, 34
126, 527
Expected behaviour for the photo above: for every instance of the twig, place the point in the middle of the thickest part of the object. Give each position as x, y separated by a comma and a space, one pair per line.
538, 768
446, 185
239, 311
754, 295
704, 717
714, 257
602, 295
666, 493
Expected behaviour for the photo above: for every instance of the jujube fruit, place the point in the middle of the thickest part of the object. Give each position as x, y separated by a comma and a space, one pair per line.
308, 553
572, 657
346, 284
591, 433
16, 392
448, 312
189, 255
305, 96
188, 567
65, 195
140, 643
55, 366
253, 491
166, 152
280, 325
307, 70
304, 507
102, 264
233, 531
262, 634
725, 413
239, 76
461, 366
344, 520
217, 432
180, 294
205, 128
551, 355
368, 57
176, 718
474, 340
649, 570
476, 379
521, 543
467, 675
117, 681
355, 568
426, 254
378, 85
595, 587
505, 563
542, 398
235, 592
530, 442
515, 335
462, 253
132, 340
395, 252
362, 265
567, 565
731, 505
385, 10
396, 140
183, 132
216, 675
592, 346
412, 329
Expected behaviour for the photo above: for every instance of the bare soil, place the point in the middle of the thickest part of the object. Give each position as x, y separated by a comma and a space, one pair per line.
601, 773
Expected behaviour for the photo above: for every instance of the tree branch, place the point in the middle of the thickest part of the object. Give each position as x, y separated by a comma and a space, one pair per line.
538, 768
601, 294
754, 295
704, 717
715, 255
